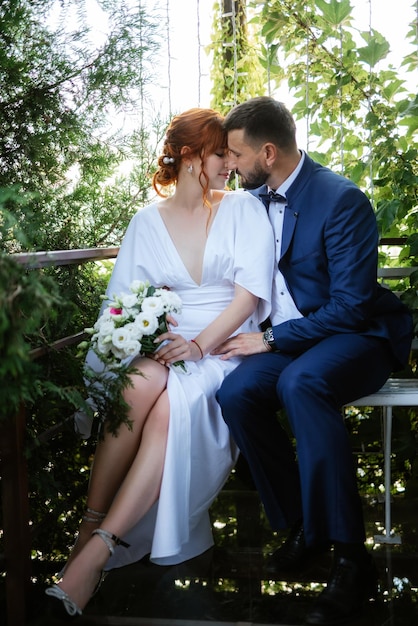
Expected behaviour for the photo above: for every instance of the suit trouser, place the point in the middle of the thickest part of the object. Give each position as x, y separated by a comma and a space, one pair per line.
321, 485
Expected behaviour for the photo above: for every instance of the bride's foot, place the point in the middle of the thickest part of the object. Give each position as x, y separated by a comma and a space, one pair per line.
90, 520
82, 576
60, 604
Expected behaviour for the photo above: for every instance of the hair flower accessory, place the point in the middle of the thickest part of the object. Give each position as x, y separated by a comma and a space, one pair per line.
167, 160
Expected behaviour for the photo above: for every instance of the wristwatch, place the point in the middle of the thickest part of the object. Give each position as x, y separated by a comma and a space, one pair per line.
268, 340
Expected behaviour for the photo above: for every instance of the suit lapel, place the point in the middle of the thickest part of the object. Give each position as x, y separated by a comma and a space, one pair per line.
289, 225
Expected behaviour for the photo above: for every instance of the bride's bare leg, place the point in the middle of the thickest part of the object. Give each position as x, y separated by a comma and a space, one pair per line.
138, 492
114, 455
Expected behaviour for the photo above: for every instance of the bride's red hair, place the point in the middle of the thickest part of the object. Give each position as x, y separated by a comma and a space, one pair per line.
194, 133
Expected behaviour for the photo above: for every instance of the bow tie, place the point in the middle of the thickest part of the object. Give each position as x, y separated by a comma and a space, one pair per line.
272, 196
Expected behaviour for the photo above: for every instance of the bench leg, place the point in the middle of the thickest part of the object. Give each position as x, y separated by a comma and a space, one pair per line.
388, 537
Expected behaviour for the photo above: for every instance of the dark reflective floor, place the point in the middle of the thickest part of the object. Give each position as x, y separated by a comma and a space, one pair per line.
229, 583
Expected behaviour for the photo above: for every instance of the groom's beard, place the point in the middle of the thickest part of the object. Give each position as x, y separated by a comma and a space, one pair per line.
257, 177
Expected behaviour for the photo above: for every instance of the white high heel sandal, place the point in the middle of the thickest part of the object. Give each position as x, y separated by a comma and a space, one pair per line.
92, 517
67, 608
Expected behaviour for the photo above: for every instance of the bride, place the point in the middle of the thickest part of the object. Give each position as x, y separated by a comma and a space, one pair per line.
151, 487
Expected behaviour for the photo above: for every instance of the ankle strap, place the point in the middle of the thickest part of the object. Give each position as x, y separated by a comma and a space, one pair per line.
108, 537
69, 605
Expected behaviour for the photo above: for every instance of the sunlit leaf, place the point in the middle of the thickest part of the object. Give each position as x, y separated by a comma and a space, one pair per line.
377, 49
357, 172
335, 12
412, 108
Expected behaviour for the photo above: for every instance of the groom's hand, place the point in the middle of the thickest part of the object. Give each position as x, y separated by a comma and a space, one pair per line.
243, 344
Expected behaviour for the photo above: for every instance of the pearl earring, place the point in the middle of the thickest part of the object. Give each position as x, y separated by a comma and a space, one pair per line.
190, 168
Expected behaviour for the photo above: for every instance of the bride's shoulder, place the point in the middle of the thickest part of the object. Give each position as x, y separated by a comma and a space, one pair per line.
243, 198
146, 212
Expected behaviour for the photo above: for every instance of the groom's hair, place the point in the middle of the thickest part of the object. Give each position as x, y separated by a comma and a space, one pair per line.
263, 120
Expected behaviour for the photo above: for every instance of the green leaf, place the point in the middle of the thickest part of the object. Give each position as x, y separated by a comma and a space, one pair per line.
335, 12
412, 108
357, 172
377, 49
386, 213
413, 242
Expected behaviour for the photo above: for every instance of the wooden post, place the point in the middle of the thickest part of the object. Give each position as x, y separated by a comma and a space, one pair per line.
15, 501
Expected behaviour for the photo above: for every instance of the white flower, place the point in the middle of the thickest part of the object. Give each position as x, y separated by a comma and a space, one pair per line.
106, 328
129, 301
103, 348
138, 286
105, 317
170, 301
128, 318
133, 348
120, 337
119, 354
147, 322
154, 305
134, 330
123, 344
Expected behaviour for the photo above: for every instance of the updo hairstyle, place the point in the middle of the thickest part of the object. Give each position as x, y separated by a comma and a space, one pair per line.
201, 131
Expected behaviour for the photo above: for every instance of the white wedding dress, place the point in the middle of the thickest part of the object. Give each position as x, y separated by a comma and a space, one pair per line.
200, 453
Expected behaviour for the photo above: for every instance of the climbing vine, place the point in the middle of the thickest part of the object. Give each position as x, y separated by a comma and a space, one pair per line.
237, 72
361, 113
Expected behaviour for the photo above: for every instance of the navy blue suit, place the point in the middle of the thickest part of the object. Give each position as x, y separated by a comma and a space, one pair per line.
352, 335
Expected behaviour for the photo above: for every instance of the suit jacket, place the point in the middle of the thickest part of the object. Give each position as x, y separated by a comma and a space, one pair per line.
329, 262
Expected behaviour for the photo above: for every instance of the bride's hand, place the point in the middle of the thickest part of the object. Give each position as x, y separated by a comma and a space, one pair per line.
176, 348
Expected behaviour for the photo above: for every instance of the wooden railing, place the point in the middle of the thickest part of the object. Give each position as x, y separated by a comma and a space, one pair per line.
16, 561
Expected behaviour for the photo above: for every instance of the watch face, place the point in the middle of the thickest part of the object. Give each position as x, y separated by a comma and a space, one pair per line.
269, 336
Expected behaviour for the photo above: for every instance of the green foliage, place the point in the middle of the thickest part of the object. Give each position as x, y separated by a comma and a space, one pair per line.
361, 114
236, 71
365, 428
410, 298
110, 410
60, 88
26, 304
69, 178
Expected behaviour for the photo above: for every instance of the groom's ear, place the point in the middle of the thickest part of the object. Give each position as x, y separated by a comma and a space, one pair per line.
269, 150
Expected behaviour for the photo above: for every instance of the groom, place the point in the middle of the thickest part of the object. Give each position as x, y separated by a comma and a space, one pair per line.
334, 335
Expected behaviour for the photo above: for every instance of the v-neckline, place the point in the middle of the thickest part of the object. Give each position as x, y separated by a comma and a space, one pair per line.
198, 284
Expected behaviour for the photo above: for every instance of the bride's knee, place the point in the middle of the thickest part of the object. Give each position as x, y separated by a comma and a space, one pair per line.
150, 378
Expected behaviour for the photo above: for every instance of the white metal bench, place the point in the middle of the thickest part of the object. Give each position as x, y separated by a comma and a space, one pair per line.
395, 392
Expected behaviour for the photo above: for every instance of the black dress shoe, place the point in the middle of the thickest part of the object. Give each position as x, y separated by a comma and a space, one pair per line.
349, 587
293, 554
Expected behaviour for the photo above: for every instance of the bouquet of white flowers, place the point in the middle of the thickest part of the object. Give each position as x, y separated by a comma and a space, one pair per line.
131, 322
127, 328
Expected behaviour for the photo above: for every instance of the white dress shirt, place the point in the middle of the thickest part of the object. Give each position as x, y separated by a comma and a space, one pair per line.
283, 306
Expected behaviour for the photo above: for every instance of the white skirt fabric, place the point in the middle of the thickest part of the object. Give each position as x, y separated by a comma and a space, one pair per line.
200, 453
